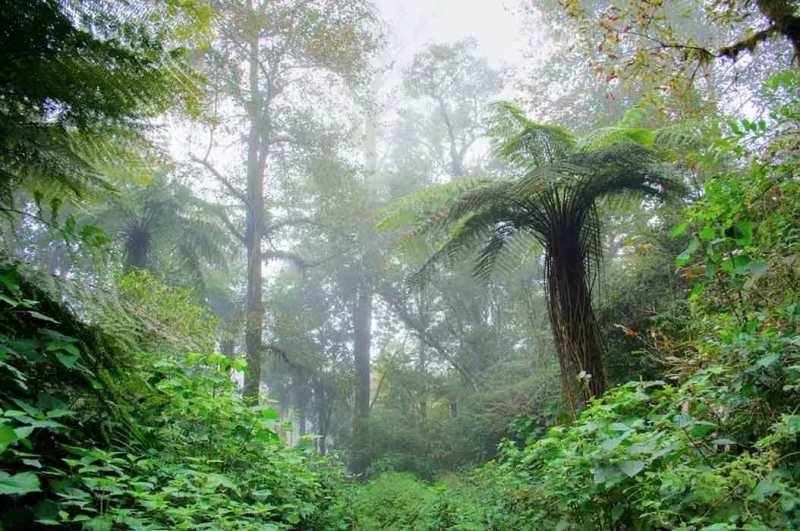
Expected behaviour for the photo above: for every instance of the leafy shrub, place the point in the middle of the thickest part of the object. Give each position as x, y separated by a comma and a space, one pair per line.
393, 500
94, 436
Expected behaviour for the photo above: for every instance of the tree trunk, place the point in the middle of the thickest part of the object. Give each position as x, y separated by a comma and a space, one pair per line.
362, 337
422, 368
362, 310
575, 333
227, 347
254, 320
137, 248
324, 407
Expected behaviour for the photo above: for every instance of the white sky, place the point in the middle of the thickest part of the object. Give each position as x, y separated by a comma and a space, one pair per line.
414, 23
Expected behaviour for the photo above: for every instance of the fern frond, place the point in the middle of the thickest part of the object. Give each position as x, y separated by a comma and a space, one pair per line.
523, 141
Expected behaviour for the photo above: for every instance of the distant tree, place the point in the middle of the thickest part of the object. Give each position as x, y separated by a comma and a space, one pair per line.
264, 54
461, 85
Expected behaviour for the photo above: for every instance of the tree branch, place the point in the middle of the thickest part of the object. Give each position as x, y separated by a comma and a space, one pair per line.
220, 213
232, 190
409, 320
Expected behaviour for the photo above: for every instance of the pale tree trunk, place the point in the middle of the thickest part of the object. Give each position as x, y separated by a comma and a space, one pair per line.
362, 337
323, 401
254, 310
362, 316
422, 358
422, 367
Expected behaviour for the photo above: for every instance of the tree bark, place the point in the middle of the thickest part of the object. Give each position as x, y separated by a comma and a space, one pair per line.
575, 333
362, 338
254, 310
362, 313
227, 347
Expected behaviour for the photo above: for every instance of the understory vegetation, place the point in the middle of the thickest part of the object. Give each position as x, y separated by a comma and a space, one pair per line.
114, 424
259, 272
712, 443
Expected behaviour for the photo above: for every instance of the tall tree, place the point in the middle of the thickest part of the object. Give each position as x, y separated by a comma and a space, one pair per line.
362, 308
266, 54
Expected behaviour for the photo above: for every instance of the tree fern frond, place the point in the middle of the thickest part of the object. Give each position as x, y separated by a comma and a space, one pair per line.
523, 141
411, 209
687, 135
608, 136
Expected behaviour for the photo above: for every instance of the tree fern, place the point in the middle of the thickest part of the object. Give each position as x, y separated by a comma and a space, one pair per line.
78, 83
555, 203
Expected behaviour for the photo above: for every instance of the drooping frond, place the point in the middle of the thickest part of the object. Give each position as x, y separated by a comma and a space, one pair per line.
549, 203
420, 206
608, 136
688, 135
78, 83
523, 141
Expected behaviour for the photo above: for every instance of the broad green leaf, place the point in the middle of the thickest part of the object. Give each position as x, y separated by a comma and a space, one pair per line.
67, 347
679, 230
792, 423
610, 444
67, 360
7, 437
21, 483
744, 232
270, 414
10, 280
708, 233
41, 316
702, 428
23, 432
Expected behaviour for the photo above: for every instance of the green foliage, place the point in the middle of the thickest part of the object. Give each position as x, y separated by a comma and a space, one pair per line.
393, 501
94, 436
77, 85
712, 445
147, 315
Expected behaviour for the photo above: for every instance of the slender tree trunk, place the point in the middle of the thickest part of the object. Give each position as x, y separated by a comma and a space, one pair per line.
362, 313
362, 337
254, 319
324, 407
575, 332
301, 389
422, 367
422, 358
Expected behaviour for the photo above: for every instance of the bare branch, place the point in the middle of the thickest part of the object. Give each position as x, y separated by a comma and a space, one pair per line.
220, 213
232, 190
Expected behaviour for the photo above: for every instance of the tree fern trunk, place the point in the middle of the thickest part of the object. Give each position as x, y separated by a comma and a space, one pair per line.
575, 333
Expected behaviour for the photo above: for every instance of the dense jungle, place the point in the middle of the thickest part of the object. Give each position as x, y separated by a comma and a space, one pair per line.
420, 265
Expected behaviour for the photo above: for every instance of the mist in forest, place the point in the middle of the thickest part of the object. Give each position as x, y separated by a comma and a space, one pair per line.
369, 264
